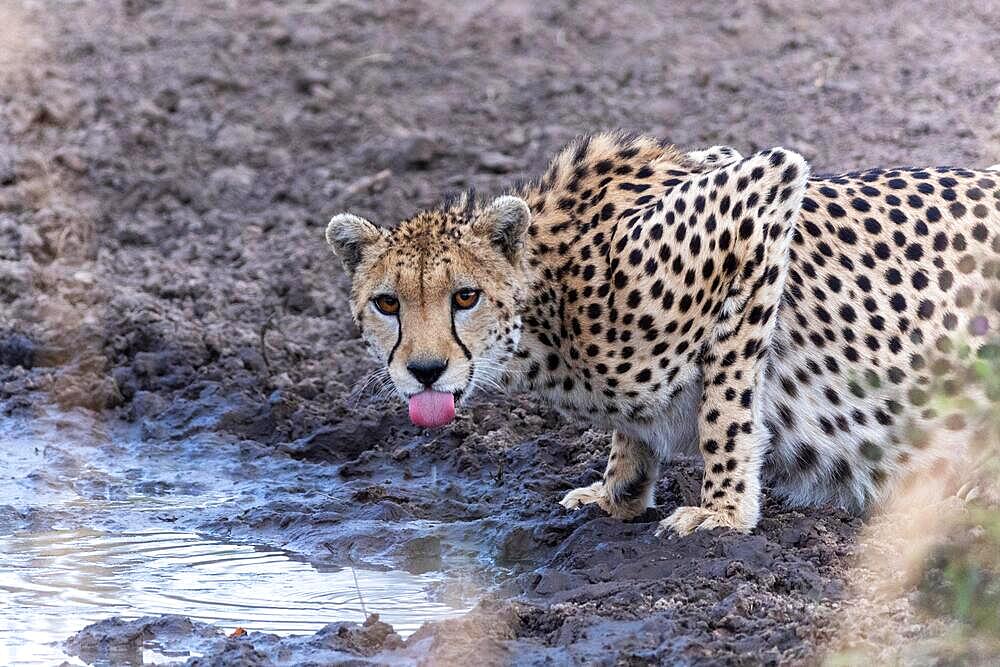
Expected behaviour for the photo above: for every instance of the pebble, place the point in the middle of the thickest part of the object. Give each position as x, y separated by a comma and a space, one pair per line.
167, 99
8, 173
308, 78
84, 277
419, 150
17, 350
72, 160
238, 136
31, 241
497, 163
239, 178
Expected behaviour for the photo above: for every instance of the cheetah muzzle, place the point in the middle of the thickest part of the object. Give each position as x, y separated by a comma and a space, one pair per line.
792, 330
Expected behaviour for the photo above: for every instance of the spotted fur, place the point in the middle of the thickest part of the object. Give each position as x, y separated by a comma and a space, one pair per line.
793, 330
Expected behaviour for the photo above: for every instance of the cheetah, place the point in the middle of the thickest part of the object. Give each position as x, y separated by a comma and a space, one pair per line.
797, 331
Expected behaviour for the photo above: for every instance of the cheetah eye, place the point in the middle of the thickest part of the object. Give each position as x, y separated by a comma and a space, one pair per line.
465, 298
387, 304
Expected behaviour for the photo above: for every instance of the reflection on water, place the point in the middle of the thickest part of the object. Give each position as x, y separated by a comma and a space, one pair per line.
54, 583
97, 520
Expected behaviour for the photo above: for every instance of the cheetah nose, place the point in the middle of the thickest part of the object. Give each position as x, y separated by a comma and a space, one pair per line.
427, 371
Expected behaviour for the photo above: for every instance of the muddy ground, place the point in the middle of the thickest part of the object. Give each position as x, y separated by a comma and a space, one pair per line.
166, 171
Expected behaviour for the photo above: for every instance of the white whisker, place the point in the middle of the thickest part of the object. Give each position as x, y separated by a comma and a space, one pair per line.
377, 384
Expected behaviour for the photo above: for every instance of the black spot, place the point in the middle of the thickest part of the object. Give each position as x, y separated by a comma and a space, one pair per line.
955, 422
552, 361
806, 456
871, 451
847, 235
842, 473
860, 204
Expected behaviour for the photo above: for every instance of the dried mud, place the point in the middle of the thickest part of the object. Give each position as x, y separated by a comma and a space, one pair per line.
166, 170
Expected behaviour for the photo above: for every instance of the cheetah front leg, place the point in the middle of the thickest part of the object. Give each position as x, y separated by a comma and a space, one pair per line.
731, 439
731, 431
627, 488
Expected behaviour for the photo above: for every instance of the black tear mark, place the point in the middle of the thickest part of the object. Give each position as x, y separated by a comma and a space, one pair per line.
454, 334
399, 339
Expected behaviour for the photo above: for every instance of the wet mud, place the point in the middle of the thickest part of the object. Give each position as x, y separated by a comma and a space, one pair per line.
167, 303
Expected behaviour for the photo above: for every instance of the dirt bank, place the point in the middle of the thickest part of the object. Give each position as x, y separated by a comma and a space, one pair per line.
166, 170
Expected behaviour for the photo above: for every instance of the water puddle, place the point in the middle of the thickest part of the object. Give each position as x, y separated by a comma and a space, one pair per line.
95, 524
55, 583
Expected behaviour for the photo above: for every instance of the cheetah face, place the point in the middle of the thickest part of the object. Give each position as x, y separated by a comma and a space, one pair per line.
437, 299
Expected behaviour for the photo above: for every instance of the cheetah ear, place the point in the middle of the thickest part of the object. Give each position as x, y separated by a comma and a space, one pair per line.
505, 221
348, 235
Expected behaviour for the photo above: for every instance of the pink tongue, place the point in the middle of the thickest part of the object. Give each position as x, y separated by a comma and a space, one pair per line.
432, 408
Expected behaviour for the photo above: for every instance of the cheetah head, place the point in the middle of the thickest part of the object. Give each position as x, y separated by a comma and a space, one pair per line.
437, 299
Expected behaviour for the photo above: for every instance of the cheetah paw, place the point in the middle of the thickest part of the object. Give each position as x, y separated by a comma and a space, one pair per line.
686, 520
968, 492
586, 495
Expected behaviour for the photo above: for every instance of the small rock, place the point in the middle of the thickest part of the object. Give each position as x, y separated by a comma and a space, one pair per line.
299, 301
238, 178
84, 277
51, 113
147, 404
17, 350
167, 99
497, 163
279, 35
72, 161
517, 136
419, 150
149, 112
729, 27
8, 174
307, 36
134, 236
31, 241
125, 381
308, 78
252, 359
237, 136
517, 545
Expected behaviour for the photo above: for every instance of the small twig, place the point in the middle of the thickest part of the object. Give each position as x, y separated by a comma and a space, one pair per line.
263, 343
360, 598
498, 476
357, 586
